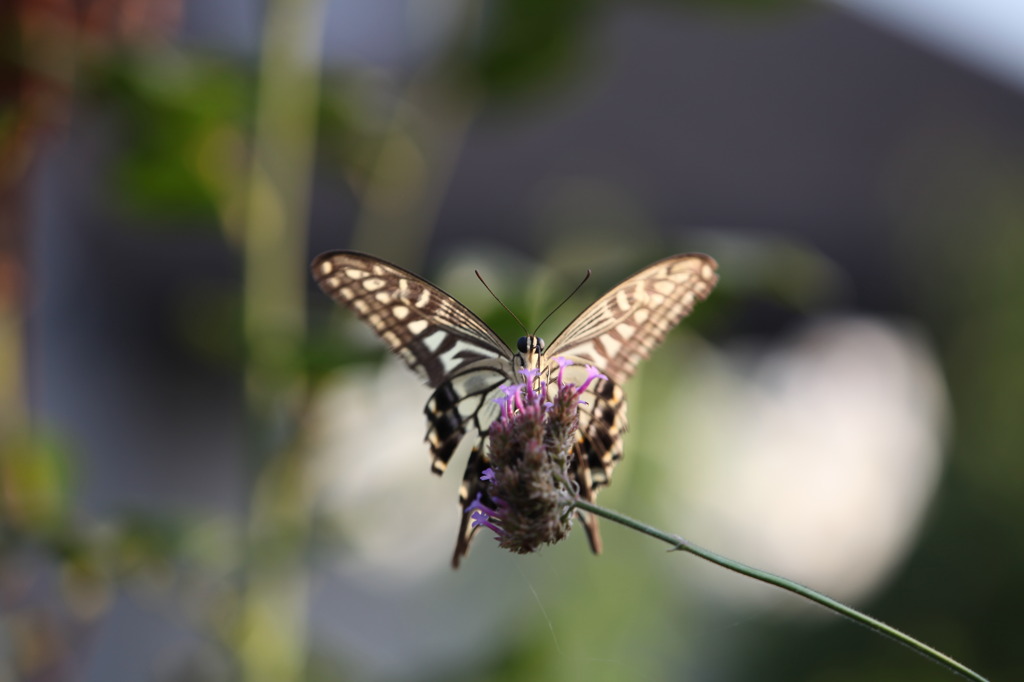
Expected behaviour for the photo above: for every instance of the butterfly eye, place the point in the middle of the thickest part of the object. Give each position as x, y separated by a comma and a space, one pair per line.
530, 343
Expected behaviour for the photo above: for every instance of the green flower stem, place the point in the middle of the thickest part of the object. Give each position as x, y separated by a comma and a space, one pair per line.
806, 592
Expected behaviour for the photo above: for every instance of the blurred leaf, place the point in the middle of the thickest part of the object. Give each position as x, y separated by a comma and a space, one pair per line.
34, 485
355, 111
86, 584
179, 121
147, 547
519, 44
209, 322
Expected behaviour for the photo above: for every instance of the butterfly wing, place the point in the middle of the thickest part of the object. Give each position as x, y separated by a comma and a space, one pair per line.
452, 349
626, 324
614, 334
431, 331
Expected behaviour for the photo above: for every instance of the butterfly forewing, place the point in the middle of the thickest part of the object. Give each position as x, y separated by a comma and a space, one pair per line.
432, 332
626, 324
465, 362
615, 333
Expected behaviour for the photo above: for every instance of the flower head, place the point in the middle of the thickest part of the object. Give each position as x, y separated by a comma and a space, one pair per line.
531, 451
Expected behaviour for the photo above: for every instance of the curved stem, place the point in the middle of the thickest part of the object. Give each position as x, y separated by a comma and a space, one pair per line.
788, 585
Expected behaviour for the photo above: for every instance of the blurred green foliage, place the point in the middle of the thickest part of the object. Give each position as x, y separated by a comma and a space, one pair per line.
514, 46
182, 119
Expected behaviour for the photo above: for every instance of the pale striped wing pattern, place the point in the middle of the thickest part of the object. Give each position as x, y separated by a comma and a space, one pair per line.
465, 362
615, 333
438, 337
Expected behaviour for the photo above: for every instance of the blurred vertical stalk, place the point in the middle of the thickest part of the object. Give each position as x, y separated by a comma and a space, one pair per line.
413, 167
411, 172
38, 65
272, 638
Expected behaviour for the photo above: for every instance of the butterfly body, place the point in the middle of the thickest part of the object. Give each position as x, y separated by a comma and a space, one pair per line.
466, 363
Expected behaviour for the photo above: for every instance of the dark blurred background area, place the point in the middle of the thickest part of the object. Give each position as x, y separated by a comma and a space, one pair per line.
207, 472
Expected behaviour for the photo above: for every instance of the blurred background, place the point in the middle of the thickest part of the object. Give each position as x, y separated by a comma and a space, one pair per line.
207, 472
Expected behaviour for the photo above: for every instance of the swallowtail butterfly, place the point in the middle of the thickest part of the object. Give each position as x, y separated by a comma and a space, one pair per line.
465, 362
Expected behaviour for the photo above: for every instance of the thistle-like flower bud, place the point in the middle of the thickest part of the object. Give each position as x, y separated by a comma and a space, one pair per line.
531, 450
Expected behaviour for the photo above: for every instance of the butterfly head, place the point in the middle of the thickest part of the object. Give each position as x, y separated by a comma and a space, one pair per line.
530, 349
530, 344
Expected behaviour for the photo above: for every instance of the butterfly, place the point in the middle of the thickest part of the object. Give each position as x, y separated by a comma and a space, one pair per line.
466, 363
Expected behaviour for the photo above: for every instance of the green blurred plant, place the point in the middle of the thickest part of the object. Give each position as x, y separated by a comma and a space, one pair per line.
210, 141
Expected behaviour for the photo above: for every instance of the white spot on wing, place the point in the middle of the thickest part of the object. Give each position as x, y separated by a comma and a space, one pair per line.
622, 300
417, 327
434, 341
448, 359
611, 345
664, 286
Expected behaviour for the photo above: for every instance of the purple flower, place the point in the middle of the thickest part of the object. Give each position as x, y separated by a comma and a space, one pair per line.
562, 363
532, 445
482, 515
592, 373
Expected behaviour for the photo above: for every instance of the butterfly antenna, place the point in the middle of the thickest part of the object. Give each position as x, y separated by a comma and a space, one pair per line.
566, 300
509, 310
